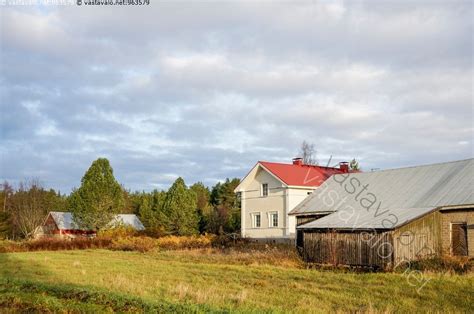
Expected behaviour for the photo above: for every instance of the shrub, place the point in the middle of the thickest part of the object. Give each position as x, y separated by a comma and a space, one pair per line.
140, 244
53, 244
229, 240
154, 232
186, 242
119, 232
7, 246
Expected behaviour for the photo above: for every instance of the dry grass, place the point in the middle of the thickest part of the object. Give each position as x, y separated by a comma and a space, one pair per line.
119, 239
232, 280
54, 244
139, 244
190, 242
282, 256
213, 248
437, 264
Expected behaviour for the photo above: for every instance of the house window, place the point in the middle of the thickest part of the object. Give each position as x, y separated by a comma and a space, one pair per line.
273, 219
265, 189
256, 220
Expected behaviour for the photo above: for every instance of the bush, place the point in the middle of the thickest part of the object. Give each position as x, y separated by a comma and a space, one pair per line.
7, 246
119, 232
186, 242
140, 244
54, 244
114, 241
154, 232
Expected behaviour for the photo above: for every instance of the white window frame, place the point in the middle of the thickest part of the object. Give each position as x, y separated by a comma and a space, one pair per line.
270, 219
254, 219
262, 189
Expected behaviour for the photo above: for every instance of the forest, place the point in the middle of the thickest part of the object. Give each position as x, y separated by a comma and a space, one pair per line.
180, 210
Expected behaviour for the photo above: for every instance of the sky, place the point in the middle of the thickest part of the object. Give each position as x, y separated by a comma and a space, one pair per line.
203, 90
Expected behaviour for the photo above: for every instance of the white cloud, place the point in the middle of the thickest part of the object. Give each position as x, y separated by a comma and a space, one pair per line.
203, 90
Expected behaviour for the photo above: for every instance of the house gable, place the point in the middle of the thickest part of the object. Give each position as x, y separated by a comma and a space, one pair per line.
258, 174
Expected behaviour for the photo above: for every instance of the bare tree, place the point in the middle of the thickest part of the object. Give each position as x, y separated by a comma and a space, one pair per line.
29, 206
354, 165
308, 153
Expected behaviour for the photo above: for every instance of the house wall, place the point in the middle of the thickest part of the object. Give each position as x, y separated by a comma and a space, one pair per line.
453, 216
253, 202
348, 248
280, 199
417, 239
295, 196
49, 227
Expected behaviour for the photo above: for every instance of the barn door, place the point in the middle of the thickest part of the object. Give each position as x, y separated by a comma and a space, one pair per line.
299, 238
459, 239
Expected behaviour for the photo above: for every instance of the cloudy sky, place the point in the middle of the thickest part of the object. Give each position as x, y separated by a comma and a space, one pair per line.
203, 90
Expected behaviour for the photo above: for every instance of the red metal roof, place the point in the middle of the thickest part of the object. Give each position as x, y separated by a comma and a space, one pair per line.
300, 175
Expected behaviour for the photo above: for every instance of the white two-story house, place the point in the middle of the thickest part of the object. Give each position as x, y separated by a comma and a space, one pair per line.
271, 190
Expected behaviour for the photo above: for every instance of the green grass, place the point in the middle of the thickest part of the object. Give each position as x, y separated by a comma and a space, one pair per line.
206, 281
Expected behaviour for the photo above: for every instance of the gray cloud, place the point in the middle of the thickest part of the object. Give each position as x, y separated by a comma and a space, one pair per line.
204, 90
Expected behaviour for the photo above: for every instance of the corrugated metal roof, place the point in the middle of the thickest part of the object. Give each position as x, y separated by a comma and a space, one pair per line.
363, 219
64, 221
129, 220
406, 193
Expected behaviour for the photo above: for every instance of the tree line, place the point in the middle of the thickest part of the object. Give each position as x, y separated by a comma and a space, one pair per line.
181, 210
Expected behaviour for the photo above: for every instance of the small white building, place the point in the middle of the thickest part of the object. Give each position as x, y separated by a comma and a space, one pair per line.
271, 190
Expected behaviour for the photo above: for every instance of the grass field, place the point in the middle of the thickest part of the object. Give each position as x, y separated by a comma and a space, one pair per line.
211, 281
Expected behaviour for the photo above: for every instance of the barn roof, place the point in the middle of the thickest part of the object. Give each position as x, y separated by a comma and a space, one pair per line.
397, 195
64, 221
129, 220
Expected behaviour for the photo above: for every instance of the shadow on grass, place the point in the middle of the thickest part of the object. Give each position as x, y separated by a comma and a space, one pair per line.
21, 291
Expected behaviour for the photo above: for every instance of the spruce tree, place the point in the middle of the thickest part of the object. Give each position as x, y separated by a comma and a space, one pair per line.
145, 211
178, 214
5, 225
203, 207
99, 198
226, 213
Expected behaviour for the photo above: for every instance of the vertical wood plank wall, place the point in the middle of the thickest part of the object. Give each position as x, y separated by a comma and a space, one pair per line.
424, 237
348, 248
418, 239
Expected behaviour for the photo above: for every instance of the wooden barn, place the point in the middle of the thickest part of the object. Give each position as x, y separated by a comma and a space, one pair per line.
61, 224
383, 218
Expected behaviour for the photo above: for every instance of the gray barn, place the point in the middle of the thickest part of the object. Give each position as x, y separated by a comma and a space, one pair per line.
386, 217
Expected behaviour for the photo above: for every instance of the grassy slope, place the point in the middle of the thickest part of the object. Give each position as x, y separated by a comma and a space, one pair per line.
191, 281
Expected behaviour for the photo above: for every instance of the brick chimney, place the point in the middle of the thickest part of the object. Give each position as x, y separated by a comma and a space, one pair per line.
298, 161
344, 166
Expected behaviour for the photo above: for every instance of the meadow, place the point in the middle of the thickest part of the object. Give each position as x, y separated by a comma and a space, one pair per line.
212, 280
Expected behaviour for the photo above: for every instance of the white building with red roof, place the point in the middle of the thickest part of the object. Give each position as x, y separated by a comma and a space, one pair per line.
271, 190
